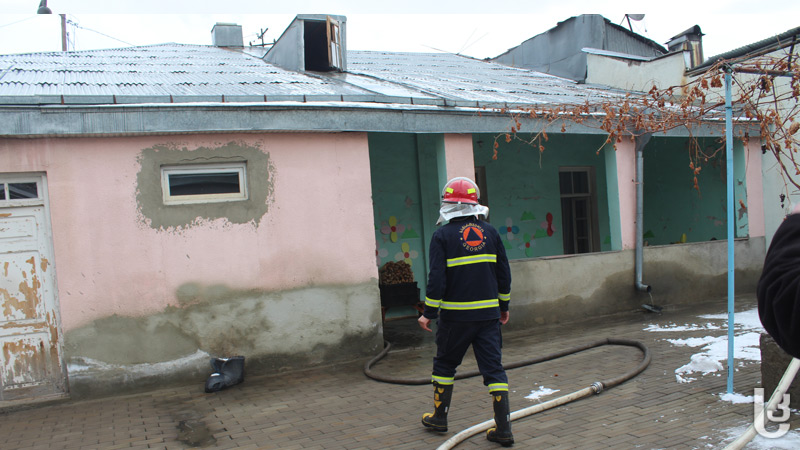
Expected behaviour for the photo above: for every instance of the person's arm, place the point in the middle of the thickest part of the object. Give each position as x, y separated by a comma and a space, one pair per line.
503, 271
437, 282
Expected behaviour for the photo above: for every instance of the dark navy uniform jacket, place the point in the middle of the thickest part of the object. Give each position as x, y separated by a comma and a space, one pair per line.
469, 278
779, 287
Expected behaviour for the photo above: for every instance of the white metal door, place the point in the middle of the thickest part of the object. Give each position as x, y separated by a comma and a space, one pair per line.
31, 364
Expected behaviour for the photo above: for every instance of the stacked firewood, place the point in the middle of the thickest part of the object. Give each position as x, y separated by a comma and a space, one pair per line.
395, 273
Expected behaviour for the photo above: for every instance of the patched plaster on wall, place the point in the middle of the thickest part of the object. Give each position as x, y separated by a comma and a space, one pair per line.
149, 197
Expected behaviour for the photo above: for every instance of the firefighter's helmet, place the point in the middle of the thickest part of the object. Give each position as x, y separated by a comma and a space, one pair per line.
461, 190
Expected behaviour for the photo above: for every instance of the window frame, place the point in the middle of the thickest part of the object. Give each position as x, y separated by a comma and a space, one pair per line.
6, 179
189, 169
592, 232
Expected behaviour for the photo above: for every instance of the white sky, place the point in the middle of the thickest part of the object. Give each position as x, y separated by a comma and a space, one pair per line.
475, 28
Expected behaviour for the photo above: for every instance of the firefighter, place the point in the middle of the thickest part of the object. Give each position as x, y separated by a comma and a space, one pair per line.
469, 288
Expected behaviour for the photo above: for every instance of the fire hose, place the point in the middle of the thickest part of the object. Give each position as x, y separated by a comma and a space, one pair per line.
595, 388
777, 396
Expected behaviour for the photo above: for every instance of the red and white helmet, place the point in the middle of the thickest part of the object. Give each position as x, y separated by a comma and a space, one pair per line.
461, 190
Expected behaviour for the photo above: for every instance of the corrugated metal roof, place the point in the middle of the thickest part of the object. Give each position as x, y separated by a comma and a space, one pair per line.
466, 79
167, 69
187, 73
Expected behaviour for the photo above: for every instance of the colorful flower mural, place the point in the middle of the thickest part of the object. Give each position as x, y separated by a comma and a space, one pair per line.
527, 245
410, 234
406, 254
510, 229
380, 253
392, 228
549, 224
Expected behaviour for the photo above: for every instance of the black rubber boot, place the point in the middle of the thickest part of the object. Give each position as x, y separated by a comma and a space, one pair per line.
501, 433
441, 402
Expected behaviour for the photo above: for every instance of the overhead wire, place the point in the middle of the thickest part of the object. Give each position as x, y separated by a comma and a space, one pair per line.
18, 21
77, 25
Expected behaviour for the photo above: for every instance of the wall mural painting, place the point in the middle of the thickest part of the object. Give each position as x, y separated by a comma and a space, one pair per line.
548, 225
380, 253
527, 245
511, 230
392, 228
406, 254
531, 231
386, 247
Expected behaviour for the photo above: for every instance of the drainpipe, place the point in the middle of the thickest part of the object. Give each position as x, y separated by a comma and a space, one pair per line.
640, 142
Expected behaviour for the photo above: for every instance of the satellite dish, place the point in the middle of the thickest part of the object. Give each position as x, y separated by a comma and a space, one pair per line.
636, 17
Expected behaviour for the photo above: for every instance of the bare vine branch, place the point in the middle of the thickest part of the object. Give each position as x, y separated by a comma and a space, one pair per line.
767, 97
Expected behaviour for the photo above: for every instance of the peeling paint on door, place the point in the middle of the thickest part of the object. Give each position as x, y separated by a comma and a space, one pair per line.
31, 364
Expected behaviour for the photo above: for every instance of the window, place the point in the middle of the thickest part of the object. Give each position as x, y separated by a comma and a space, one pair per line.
204, 183
578, 210
18, 192
322, 44
334, 44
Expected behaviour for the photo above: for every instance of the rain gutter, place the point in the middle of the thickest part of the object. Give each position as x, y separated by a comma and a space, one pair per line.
640, 142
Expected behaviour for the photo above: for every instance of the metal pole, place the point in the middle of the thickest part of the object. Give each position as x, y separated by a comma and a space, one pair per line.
63, 32
729, 181
640, 142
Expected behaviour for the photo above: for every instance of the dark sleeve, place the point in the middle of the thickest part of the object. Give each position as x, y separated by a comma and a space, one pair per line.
503, 275
779, 287
437, 281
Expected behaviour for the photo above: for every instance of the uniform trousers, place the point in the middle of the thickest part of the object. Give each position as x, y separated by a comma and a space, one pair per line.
454, 338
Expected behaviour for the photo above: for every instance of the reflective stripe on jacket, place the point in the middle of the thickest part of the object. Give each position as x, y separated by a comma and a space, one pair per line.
469, 276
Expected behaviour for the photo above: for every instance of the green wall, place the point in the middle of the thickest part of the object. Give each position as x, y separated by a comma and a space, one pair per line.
405, 186
523, 188
673, 207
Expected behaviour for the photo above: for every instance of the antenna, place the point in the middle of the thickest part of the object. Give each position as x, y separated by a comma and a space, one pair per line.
261, 36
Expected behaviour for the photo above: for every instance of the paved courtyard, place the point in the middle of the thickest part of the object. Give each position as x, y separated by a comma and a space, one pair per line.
338, 407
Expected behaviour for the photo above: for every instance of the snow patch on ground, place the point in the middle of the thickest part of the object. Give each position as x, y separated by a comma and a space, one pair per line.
789, 441
541, 392
713, 354
713, 350
685, 327
736, 398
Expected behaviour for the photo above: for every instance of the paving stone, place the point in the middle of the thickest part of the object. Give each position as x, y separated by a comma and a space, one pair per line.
338, 407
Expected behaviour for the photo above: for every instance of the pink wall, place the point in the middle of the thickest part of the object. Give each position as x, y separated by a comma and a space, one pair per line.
318, 231
459, 156
755, 189
626, 174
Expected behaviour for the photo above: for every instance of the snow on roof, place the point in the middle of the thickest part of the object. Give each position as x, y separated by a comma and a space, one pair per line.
173, 73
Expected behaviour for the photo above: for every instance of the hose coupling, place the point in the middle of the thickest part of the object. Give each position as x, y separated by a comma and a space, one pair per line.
597, 387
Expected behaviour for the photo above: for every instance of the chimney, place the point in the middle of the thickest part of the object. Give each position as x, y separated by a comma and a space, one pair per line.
690, 42
227, 35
